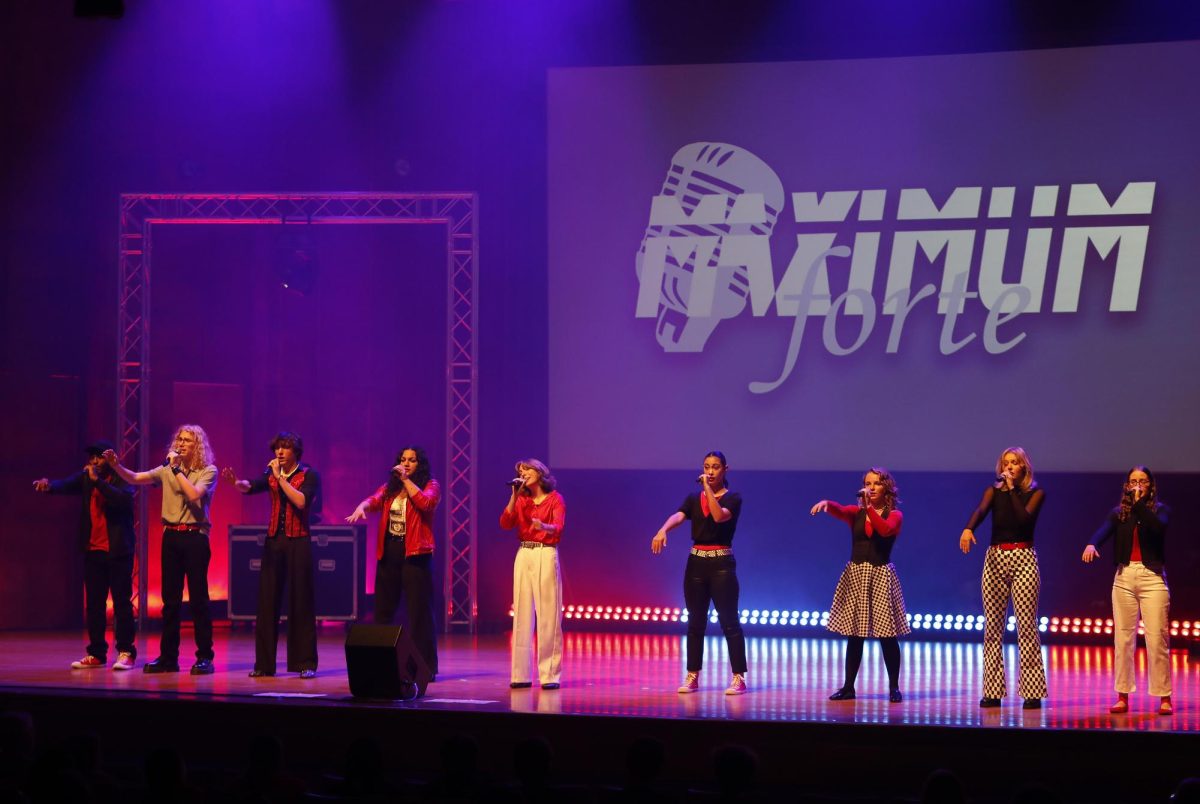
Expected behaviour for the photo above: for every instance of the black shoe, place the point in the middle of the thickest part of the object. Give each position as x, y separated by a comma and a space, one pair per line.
310, 673
1031, 703
989, 703
520, 685
202, 667
553, 685
895, 697
844, 694
256, 673
160, 665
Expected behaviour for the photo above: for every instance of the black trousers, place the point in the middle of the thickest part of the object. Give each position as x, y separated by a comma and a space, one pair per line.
713, 579
397, 574
185, 555
286, 562
102, 573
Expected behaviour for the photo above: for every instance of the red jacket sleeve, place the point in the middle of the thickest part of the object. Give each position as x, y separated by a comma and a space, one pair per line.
375, 501
558, 513
846, 513
887, 528
508, 521
429, 496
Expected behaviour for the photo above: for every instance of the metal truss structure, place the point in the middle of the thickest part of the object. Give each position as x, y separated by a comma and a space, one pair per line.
457, 212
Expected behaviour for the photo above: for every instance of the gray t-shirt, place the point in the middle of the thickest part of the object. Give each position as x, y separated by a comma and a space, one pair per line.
176, 510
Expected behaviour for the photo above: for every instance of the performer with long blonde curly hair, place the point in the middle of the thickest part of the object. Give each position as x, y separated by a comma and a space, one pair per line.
188, 478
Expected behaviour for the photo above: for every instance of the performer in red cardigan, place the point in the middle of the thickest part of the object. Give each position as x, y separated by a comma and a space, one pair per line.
286, 559
868, 602
404, 549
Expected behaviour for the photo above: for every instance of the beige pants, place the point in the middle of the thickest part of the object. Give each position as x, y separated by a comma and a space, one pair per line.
1134, 588
537, 600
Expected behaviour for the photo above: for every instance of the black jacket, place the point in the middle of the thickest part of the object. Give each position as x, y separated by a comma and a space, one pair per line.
1152, 531
118, 509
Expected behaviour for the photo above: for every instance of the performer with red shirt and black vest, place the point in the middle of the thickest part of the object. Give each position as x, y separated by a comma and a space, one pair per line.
538, 513
286, 559
106, 539
868, 601
404, 549
711, 573
1138, 528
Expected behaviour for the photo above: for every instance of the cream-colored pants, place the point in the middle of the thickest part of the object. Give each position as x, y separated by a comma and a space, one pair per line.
537, 599
1134, 588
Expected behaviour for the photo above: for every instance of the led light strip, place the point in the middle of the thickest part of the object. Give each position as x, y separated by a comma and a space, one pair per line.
814, 618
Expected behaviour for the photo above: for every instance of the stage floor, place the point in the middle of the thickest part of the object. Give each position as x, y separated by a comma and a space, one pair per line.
635, 675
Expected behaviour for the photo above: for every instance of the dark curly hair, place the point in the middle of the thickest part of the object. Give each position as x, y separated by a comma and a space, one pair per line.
419, 477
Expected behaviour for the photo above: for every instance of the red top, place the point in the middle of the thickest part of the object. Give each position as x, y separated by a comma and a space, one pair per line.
1135, 553
552, 510
875, 524
418, 512
99, 537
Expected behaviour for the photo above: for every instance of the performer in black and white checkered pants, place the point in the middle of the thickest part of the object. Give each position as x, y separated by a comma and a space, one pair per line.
1010, 572
868, 602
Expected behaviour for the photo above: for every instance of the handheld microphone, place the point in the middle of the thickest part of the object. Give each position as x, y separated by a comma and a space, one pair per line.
700, 480
515, 483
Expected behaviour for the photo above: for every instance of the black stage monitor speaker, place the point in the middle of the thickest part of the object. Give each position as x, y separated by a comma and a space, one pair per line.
382, 663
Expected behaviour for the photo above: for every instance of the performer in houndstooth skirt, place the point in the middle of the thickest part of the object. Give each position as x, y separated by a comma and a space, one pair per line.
868, 602
1010, 572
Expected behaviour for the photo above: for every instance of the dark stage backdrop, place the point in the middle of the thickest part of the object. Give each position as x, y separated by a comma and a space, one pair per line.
502, 99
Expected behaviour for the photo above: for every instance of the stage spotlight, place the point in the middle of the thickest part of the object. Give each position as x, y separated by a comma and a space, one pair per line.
113, 9
296, 262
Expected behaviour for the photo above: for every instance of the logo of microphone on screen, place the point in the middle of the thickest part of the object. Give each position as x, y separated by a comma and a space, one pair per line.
714, 216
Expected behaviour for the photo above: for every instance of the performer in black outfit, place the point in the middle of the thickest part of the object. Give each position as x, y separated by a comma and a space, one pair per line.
106, 539
1138, 528
287, 557
1010, 572
711, 573
868, 602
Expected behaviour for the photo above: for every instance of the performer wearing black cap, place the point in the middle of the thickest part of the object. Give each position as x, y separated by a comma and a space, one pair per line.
106, 538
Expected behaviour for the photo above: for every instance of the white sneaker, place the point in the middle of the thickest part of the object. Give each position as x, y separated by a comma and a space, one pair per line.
691, 683
737, 686
88, 662
124, 661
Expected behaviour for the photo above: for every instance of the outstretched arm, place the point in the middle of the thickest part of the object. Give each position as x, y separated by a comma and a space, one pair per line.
660, 539
129, 476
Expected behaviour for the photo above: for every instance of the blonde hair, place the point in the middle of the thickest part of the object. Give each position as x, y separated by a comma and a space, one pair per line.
1027, 476
547, 480
203, 455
